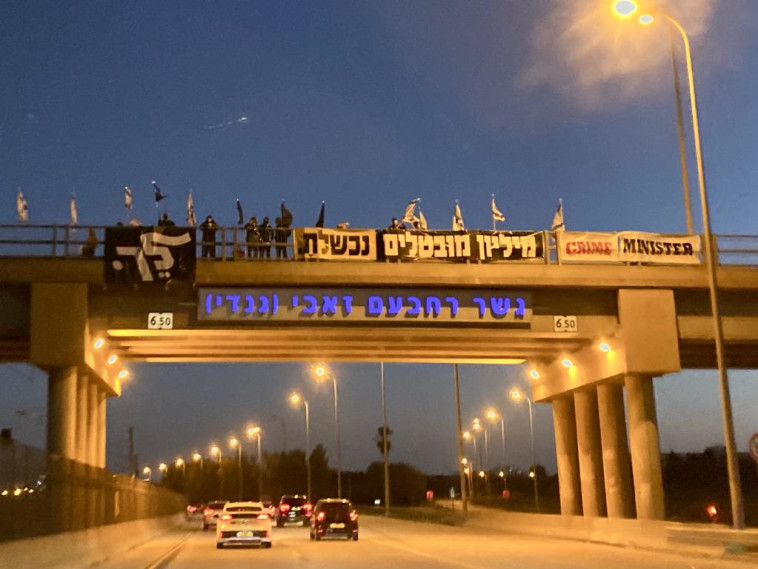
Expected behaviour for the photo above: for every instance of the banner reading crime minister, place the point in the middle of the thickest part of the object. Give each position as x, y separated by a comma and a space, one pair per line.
581, 247
635, 246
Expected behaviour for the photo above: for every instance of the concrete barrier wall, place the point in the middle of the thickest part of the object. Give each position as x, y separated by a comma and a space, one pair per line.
85, 548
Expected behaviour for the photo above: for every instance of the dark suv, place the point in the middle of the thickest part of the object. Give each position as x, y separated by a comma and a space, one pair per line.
334, 517
293, 509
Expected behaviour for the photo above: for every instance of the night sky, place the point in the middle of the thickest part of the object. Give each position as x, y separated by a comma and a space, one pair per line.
367, 105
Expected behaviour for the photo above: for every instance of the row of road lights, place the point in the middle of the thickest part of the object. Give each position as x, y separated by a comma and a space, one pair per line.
516, 395
626, 9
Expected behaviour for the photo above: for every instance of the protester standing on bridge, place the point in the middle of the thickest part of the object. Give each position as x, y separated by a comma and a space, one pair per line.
267, 236
88, 248
252, 236
281, 234
395, 225
209, 228
166, 221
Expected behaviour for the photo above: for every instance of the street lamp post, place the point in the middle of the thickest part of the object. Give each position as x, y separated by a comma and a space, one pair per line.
295, 399
626, 8
216, 451
385, 446
322, 372
256, 432
234, 443
492, 415
517, 395
467, 436
197, 457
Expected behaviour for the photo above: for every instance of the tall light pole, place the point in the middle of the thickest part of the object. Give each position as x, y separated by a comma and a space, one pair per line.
322, 372
493, 416
385, 446
457, 386
625, 9
197, 457
518, 396
295, 399
256, 432
234, 443
467, 436
216, 451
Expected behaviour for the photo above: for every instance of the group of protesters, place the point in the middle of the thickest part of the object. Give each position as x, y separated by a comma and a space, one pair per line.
259, 237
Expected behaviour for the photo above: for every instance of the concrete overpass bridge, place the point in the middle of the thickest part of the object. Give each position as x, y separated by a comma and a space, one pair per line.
586, 332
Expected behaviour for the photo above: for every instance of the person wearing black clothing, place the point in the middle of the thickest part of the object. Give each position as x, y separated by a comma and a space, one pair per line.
252, 236
281, 234
209, 228
165, 221
395, 226
267, 236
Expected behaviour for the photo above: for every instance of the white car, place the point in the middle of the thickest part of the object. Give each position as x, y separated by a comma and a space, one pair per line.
211, 513
243, 523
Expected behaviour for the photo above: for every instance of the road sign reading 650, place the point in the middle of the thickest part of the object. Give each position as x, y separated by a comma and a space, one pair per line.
160, 321
753, 447
565, 324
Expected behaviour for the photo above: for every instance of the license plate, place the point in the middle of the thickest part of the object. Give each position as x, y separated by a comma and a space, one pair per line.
337, 526
244, 534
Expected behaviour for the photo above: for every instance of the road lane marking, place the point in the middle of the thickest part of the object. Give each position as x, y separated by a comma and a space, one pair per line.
437, 558
169, 556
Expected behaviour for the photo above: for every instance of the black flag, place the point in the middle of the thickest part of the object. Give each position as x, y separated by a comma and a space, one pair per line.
286, 216
158, 195
320, 222
240, 215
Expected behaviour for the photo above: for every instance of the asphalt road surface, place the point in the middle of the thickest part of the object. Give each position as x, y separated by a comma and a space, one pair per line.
394, 544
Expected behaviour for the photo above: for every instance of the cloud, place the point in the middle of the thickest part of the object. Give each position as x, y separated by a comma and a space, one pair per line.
585, 53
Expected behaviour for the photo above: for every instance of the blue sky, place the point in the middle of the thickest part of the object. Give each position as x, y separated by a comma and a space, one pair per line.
366, 105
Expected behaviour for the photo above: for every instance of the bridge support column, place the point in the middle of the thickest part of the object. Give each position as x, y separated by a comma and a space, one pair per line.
567, 455
93, 392
82, 409
617, 465
101, 408
61, 413
590, 453
645, 445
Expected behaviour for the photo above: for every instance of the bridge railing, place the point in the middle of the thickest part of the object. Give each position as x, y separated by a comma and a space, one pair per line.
230, 244
43, 494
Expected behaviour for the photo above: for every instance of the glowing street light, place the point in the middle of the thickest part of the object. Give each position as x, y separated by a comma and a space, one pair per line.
234, 443
625, 8
257, 432
197, 457
518, 396
322, 372
216, 451
735, 486
147, 471
295, 399
163, 467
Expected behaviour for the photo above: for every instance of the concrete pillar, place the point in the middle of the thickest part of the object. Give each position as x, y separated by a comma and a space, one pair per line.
61, 412
92, 422
101, 401
567, 455
82, 426
617, 466
590, 454
645, 447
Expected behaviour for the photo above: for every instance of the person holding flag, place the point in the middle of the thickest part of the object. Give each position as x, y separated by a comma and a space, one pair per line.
558, 224
497, 215
458, 218
74, 211
128, 197
22, 207
191, 220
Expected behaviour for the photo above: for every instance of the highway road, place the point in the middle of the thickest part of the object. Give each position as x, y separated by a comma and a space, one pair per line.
395, 544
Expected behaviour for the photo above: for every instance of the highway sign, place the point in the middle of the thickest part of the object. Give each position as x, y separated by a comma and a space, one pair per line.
753, 447
160, 320
565, 324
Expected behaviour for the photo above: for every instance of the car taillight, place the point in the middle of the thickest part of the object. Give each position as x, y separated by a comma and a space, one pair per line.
263, 517
207, 511
307, 508
284, 508
321, 516
353, 515
226, 518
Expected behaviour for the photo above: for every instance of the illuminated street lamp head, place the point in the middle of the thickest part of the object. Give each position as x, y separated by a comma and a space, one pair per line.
147, 470
466, 435
482, 474
215, 450
197, 457
99, 343
516, 394
466, 470
233, 442
179, 462
319, 370
604, 347
534, 374
123, 374
646, 19
501, 474
464, 461
567, 363
624, 8
112, 360
531, 474
491, 414
252, 431
477, 426
295, 398
163, 467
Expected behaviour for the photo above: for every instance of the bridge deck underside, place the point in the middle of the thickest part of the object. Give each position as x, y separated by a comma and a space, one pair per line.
417, 345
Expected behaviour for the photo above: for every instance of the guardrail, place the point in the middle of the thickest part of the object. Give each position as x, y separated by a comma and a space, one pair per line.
231, 245
42, 494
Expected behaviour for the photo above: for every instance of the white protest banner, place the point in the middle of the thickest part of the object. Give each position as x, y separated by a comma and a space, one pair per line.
636, 246
582, 247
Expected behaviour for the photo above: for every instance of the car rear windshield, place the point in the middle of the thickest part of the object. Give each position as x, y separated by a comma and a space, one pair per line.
245, 509
293, 501
216, 505
334, 509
